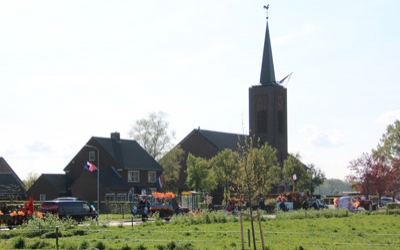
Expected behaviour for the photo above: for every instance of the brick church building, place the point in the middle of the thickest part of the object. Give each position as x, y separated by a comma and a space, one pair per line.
267, 121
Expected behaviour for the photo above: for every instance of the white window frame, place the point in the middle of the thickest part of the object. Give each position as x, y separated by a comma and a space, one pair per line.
42, 197
121, 197
110, 197
152, 177
134, 176
92, 156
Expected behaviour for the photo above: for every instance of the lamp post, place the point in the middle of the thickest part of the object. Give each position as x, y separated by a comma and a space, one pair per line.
98, 177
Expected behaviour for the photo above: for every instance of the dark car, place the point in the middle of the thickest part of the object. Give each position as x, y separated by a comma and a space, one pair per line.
76, 209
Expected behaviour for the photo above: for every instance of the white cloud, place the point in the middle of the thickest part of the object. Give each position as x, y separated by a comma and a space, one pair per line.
388, 117
329, 138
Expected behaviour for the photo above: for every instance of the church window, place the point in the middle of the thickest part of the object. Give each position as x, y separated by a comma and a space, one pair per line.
262, 121
280, 122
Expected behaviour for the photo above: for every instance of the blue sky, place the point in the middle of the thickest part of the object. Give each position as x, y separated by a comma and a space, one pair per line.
70, 70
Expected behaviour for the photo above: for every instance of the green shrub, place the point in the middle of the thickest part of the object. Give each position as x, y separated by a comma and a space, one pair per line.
100, 245
84, 245
19, 243
40, 245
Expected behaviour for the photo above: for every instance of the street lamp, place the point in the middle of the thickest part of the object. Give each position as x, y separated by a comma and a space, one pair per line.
98, 177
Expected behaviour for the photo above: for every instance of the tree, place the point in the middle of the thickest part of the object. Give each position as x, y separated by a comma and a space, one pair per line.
200, 175
30, 179
389, 146
258, 170
360, 173
388, 154
293, 166
152, 134
225, 166
171, 162
317, 177
334, 186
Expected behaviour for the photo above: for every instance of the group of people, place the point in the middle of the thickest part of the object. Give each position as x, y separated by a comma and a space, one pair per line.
231, 207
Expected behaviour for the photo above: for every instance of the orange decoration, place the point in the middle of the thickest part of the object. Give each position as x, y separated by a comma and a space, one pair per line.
163, 195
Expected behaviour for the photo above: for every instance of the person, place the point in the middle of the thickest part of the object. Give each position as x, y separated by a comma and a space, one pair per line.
5, 209
134, 210
198, 211
305, 205
262, 203
228, 207
283, 207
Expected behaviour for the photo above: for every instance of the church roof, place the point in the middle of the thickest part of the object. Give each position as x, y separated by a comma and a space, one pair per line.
221, 140
267, 67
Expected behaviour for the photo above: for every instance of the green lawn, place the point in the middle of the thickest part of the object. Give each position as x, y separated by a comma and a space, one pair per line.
329, 229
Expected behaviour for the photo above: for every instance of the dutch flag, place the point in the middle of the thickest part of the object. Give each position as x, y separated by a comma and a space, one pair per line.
159, 182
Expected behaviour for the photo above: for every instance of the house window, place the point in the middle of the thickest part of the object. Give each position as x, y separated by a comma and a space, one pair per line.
152, 177
133, 176
121, 197
42, 197
92, 156
153, 190
110, 197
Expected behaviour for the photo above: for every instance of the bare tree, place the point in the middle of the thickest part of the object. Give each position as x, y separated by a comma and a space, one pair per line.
152, 134
30, 179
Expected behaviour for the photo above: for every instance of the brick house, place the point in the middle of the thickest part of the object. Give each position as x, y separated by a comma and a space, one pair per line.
125, 169
206, 144
11, 186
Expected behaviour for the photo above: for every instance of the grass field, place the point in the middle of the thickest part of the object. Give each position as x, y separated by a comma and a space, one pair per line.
329, 229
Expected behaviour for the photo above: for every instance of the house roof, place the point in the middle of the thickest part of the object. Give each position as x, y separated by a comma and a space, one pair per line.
60, 182
221, 140
111, 179
10, 183
128, 154
9, 177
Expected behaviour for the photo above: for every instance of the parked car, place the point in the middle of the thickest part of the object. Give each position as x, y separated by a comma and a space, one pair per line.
76, 209
385, 200
355, 204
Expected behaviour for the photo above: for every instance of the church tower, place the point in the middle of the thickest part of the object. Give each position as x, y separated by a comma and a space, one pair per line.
268, 106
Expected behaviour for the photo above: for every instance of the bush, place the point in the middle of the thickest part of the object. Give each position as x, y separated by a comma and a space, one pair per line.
19, 243
40, 245
100, 245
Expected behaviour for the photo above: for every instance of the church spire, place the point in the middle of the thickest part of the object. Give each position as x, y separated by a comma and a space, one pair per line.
267, 68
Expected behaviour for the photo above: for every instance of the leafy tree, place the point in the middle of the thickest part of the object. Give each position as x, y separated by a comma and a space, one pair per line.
30, 179
382, 178
361, 173
152, 134
334, 186
388, 155
258, 170
293, 166
317, 177
225, 166
389, 146
171, 162
200, 175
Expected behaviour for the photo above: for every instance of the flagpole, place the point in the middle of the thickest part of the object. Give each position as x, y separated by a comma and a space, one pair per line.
98, 177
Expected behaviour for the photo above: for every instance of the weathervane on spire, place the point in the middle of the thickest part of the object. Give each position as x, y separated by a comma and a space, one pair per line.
266, 7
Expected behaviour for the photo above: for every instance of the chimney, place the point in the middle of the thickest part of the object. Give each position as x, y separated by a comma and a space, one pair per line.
115, 136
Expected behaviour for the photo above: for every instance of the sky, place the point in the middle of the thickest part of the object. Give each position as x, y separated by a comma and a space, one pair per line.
70, 70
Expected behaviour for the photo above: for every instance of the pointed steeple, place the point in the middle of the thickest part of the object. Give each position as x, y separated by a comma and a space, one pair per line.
267, 68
